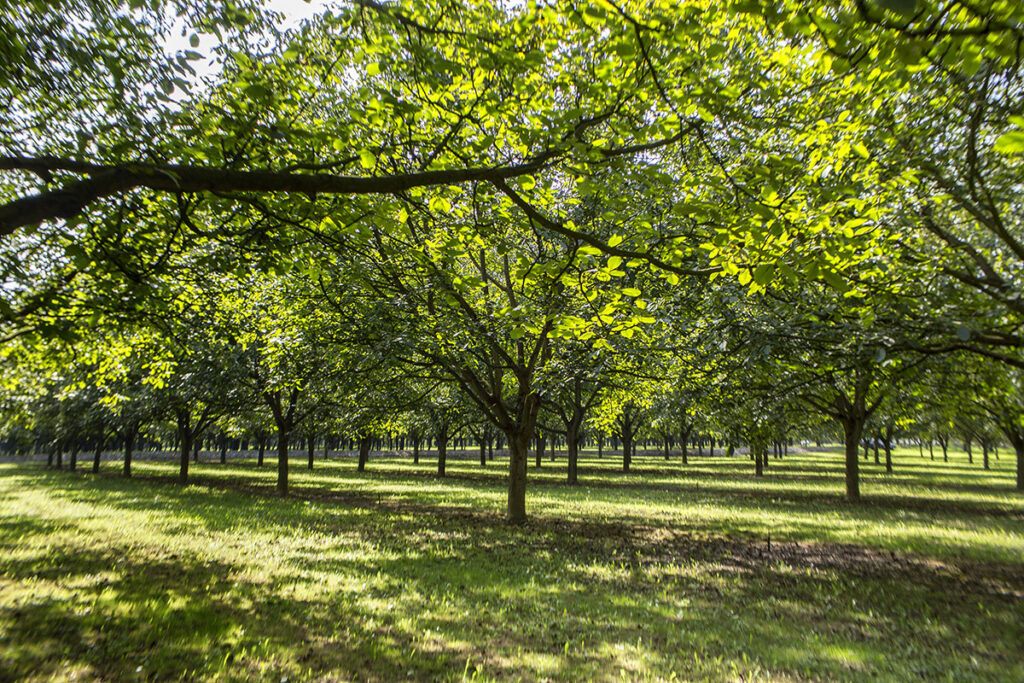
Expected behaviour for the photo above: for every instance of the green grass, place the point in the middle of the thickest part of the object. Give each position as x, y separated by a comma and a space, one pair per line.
394, 574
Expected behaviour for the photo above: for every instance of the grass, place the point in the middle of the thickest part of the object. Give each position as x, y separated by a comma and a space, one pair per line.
663, 573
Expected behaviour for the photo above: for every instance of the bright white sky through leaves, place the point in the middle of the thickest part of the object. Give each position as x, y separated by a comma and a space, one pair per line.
292, 12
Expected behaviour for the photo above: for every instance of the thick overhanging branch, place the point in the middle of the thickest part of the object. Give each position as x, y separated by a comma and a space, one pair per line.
107, 180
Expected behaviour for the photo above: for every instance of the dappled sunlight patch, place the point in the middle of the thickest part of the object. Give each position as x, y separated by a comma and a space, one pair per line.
354, 573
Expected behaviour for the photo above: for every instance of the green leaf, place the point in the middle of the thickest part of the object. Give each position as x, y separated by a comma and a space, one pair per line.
763, 274
439, 204
1011, 143
366, 159
257, 91
631, 291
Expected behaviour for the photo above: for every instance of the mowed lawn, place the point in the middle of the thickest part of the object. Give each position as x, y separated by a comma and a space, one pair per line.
687, 572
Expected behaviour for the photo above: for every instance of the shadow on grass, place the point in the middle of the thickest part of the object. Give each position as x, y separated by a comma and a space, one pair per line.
427, 591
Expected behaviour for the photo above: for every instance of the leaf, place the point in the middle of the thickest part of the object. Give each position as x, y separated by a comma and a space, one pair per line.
861, 150
366, 159
1010, 143
257, 91
439, 204
835, 281
527, 183
615, 240
614, 262
744, 276
763, 273
193, 40
631, 291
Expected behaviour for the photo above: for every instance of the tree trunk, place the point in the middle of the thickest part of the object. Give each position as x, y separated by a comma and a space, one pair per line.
572, 452
129, 445
760, 456
887, 443
874, 447
282, 460
1019, 448
185, 440
852, 430
684, 442
72, 459
364, 453
310, 444
96, 456
483, 451
984, 453
627, 451
541, 443
262, 446
442, 452
223, 450
416, 451
518, 454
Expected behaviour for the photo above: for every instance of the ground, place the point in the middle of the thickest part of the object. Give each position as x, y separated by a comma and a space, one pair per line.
688, 572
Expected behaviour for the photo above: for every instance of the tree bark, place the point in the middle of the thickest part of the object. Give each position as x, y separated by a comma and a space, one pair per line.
442, 452
572, 451
518, 454
185, 443
129, 445
853, 428
310, 443
364, 453
282, 460
97, 455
